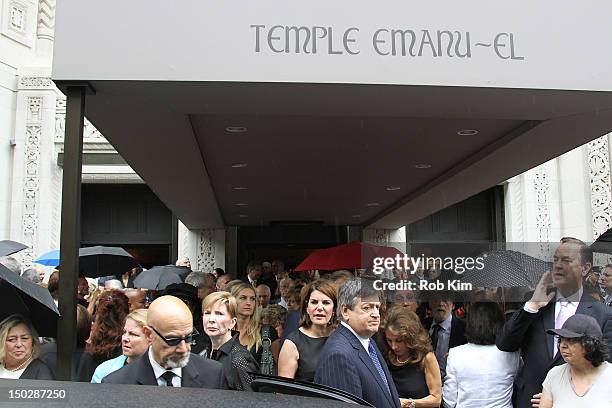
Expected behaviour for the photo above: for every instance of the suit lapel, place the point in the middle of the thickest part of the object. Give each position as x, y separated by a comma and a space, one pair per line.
367, 361
548, 321
144, 370
190, 376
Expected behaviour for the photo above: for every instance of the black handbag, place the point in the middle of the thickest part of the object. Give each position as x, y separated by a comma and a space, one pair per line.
266, 365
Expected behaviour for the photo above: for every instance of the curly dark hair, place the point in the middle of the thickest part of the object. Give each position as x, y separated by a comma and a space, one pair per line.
406, 324
113, 307
595, 350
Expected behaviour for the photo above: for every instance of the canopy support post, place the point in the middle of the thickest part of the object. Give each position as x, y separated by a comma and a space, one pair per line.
71, 231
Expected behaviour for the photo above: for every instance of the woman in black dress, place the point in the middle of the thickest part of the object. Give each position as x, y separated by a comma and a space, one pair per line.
300, 352
411, 360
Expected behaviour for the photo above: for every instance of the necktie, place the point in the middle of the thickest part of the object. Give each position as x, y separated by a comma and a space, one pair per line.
168, 376
564, 314
374, 357
434, 336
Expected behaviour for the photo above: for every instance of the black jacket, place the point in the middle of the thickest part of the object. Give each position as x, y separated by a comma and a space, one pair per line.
198, 373
527, 332
457, 334
37, 370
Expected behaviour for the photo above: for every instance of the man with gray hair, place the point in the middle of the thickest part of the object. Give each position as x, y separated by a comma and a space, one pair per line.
31, 274
204, 282
11, 263
350, 360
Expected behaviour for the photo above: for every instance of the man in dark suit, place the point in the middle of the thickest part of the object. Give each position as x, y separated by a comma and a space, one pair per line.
445, 329
169, 361
253, 273
350, 360
526, 330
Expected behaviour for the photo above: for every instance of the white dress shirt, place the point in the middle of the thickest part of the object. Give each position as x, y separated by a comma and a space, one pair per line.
479, 377
365, 341
571, 302
159, 371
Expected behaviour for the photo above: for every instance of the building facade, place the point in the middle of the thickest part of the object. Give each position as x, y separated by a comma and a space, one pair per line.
569, 195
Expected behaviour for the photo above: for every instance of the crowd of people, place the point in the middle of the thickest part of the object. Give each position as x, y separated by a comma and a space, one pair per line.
392, 349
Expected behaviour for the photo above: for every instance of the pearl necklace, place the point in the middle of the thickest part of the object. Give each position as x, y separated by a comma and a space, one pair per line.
20, 366
399, 361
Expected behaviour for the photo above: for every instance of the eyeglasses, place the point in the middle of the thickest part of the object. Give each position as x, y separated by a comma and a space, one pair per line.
175, 341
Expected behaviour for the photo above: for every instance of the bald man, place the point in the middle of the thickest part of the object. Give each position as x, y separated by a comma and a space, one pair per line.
169, 361
263, 295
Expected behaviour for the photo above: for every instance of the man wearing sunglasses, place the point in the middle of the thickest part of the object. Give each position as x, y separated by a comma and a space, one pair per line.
169, 361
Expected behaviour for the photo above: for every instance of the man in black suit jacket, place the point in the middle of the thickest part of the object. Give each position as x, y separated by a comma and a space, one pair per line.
526, 330
445, 329
350, 360
169, 361
253, 273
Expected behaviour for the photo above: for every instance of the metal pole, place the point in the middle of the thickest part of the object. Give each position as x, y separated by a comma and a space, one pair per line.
71, 231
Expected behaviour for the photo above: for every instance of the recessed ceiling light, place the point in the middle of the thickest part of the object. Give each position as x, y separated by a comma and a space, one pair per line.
467, 132
393, 188
242, 204
240, 188
235, 129
243, 216
372, 204
239, 165
422, 166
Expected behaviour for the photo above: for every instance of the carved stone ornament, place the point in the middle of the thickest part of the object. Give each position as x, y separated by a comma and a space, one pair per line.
46, 19
36, 83
601, 194
31, 187
541, 185
206, 250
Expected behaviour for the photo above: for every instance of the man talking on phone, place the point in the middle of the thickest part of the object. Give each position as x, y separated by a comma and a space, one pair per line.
526, 329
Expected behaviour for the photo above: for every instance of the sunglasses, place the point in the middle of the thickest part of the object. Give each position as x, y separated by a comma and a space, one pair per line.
175, 341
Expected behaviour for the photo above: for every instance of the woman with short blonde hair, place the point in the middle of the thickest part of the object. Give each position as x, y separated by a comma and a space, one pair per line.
133, 345
19, 351
219, 318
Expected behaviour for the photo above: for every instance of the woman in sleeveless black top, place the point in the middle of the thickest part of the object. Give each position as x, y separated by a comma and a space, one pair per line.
299, 355
411, 361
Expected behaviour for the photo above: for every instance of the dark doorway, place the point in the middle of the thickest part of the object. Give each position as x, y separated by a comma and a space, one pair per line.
130, 216
290, 243
475, 223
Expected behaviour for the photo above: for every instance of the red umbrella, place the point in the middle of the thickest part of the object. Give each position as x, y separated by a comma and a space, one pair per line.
347, 256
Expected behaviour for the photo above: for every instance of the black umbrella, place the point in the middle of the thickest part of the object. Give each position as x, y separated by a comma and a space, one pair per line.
506, 269
8, 247
18, 295
98, 261
159, 277
603, 243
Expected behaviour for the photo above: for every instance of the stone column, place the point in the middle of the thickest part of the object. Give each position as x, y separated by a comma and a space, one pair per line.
205, 247
45, 28
34, 168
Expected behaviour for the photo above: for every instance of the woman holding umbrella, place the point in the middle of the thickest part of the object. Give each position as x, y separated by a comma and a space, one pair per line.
19, 351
